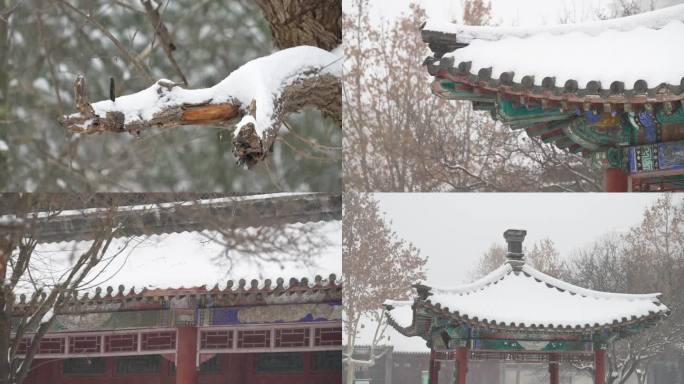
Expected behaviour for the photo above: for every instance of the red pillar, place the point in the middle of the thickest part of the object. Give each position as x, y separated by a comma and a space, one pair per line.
462, 363
615, 180
186, 355
434, 368
554, 368
600, 366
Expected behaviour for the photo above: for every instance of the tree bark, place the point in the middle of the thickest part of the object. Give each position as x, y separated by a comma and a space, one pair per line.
304, 22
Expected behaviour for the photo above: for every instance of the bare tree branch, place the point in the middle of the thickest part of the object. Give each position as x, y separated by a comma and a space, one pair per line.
122, 49
164, 35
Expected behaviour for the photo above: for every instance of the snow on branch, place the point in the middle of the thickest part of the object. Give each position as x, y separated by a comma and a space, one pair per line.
257, 96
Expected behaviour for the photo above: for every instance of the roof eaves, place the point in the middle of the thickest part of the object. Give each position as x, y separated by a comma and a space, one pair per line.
295, 286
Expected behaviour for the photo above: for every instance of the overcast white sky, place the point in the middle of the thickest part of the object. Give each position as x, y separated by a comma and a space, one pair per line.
505, 12
454, 229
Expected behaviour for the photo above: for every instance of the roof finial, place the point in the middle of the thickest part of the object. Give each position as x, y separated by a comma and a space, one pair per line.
515, 256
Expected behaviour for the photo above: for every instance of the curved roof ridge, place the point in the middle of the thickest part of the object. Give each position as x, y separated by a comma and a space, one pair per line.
653, 20
478, 284
397, 303
563, 285
400, 316
123, 293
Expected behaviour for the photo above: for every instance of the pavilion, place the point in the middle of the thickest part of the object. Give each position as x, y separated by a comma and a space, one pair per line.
284, 330
518, 313
610, 90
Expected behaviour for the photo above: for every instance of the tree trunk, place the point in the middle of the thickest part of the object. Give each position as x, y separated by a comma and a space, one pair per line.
350, 364
4, 341
304, 22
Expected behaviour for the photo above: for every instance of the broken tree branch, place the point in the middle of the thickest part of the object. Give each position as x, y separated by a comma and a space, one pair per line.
261, 94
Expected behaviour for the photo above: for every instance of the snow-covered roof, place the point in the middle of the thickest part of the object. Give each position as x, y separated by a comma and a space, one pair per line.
195, 264
518, 301
527, 298
635, 54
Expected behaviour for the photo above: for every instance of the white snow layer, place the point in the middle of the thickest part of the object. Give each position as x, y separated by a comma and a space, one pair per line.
401, 312
653, 55
262, 79
526, 298
653, 20
220, 201
188, 259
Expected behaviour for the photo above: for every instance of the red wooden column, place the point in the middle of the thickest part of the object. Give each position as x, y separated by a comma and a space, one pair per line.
462, 363
599, 366
554, 368
615, 180
186, 355
434, 368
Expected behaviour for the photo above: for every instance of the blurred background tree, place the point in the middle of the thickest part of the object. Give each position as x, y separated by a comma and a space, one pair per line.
44, 45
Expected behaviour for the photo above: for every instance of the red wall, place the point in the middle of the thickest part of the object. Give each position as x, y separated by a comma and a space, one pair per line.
234, 369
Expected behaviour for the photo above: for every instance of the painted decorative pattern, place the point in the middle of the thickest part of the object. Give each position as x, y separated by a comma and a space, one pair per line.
111, 320
328, 336
216, 339
158, 341
654, 157
52, 345
265, 314
287, 338
121, 343
84, 344
254, 339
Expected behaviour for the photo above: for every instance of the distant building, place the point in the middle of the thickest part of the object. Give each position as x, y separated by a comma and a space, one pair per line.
276, 332
270, 333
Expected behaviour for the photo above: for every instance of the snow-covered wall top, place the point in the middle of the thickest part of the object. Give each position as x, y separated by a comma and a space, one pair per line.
183, 216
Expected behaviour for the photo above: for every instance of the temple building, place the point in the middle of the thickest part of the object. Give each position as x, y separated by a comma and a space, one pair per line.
261, 332
519, 314
582, 87
253, 329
